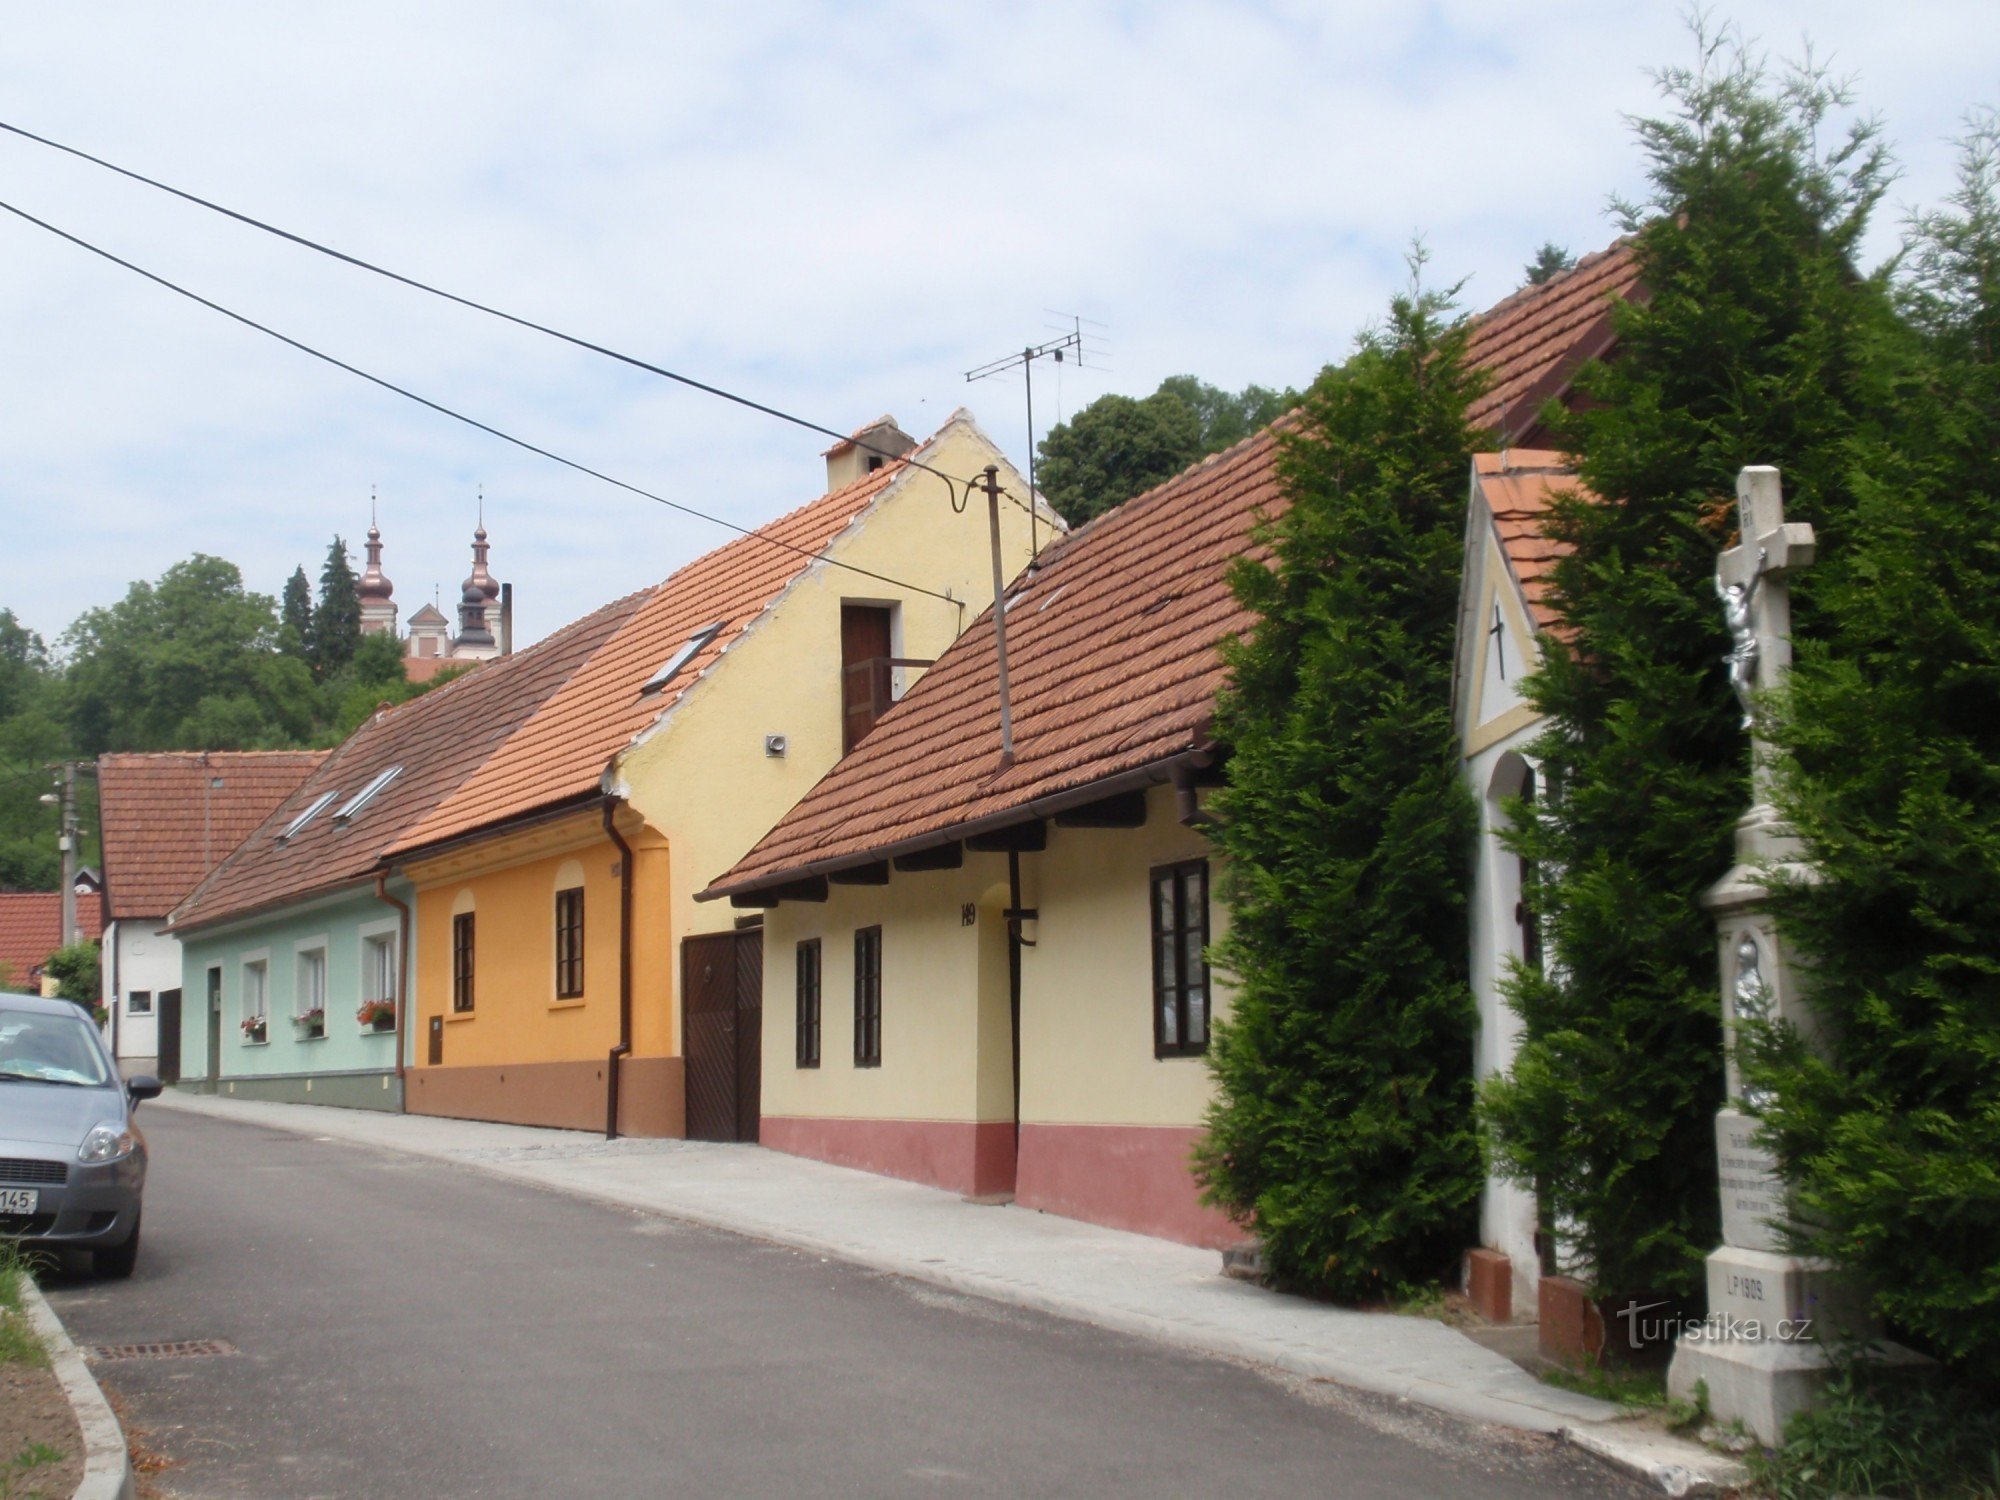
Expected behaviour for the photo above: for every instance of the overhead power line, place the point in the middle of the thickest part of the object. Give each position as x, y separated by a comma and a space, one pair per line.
459, 416
356, 261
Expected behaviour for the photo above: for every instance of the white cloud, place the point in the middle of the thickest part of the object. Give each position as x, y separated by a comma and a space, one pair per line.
836, 208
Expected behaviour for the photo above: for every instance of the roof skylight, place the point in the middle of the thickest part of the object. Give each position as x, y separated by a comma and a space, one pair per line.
312, 810
680, 658
367, 794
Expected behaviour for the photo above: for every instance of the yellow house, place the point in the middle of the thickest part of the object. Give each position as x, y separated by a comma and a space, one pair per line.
564, 974
986, 971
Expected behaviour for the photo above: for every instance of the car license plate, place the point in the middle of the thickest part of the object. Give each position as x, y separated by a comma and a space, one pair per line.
19, 1200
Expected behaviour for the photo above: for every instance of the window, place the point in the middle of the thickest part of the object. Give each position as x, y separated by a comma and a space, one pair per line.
366, 795
139, 1003
680, 658
312, 810
868, 997
569, 944
378, 968
461, 962
1180, 971
256, 994
312, 981
808, 1004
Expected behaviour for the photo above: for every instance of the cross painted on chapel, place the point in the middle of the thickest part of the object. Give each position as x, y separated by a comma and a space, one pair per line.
1498, 634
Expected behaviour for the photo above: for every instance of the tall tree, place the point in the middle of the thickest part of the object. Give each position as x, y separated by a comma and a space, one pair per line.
1891, 777
336, 621
1343, 1128
1551, 260
295, 617
1759, 345
1118, 447
187, 663
24, 664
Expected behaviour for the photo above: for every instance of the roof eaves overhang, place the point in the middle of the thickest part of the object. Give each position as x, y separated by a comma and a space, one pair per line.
1154, 773
304, 900
398, 859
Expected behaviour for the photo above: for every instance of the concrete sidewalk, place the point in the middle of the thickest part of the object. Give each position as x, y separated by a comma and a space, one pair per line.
1134, 1284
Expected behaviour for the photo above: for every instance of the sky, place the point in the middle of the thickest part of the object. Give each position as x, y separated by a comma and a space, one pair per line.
835, 209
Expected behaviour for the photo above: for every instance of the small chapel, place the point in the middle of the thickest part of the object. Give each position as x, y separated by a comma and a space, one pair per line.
485, 615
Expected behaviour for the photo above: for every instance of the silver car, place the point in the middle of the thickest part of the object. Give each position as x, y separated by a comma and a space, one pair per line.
72, 1160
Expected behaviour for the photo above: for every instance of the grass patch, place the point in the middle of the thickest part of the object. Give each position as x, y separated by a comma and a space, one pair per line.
18, 1344
1899, 1435
1639, 1390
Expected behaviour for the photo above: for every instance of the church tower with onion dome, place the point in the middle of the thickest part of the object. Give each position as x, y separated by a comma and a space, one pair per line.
378, 607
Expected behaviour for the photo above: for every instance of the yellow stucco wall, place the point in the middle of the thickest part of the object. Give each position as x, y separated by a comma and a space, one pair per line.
701, 776
510, 885
1086, 989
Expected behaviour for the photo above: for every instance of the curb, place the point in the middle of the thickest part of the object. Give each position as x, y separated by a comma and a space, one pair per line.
107, 1462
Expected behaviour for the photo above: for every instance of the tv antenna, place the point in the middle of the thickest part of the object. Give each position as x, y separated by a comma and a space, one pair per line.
1066, 348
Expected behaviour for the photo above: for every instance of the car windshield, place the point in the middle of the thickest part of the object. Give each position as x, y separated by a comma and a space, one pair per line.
40, 1048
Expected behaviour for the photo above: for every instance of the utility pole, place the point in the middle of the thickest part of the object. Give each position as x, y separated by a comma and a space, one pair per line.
990, 482
66, 842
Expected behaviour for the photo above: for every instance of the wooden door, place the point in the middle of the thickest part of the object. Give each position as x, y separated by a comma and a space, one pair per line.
722, 1021
864, 670
167, 1013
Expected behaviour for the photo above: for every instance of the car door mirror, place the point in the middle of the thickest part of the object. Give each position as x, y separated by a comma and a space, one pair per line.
143, 1086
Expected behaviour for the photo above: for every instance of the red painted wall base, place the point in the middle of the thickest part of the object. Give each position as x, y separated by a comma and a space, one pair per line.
1132, 1177
956, 1155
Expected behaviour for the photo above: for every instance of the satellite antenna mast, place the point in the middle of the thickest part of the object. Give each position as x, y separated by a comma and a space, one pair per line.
1058, 349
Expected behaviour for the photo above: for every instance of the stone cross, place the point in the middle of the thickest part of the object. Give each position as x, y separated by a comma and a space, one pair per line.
1752, 580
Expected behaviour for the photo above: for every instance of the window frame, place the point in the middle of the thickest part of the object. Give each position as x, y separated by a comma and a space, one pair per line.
1171, 875
138, 1002
388, 971
807, 974
569, 943
868, 996
464, 940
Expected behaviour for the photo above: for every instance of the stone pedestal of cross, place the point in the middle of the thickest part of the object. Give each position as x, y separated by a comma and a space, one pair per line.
1763, 1351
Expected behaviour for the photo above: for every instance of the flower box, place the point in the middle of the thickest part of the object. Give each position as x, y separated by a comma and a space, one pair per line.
311, 1023
377, 1015
256, 1029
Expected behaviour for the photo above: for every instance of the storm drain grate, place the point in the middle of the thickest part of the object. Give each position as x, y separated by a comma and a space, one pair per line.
174, 1349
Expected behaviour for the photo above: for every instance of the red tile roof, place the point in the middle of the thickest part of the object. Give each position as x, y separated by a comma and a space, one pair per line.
562, 751
1516, 486
1113, 667
170, 819
1533, 342
31, 929
1113, 643
438, 740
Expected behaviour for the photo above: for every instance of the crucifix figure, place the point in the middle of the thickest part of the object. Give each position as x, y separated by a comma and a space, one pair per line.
1499, 637
1750, 580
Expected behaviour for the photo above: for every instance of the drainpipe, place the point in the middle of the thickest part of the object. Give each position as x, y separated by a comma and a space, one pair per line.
403, 1039
624, 1047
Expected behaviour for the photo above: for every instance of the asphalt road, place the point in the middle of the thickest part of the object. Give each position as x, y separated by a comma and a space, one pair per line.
407, 1328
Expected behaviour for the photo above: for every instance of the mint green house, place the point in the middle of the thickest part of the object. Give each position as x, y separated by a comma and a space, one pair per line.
300, 1004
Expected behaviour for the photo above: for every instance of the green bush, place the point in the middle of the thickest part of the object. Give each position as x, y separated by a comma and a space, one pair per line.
1904, 1437
1342, 1126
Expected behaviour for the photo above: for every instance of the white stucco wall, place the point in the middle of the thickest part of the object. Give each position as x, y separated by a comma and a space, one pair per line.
138, 956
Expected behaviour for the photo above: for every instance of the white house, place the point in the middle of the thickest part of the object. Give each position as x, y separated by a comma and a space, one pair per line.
167, 821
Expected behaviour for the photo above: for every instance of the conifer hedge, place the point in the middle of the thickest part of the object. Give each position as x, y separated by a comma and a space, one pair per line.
1756, 343
1891, 776
1342, 1129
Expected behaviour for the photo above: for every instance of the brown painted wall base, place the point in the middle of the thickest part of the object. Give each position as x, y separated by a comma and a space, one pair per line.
1132, 1177
564, 1095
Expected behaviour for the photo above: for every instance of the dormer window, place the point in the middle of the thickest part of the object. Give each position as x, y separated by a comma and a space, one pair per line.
680, 658
312, 810
367, 794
